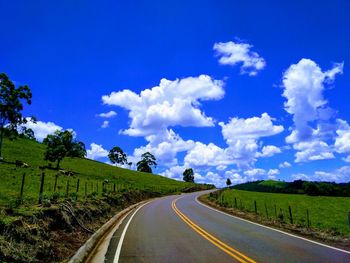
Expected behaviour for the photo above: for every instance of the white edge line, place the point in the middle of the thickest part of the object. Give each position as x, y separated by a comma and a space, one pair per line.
120, 244
277, 230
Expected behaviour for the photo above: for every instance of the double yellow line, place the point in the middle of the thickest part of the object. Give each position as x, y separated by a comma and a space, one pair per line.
224, 247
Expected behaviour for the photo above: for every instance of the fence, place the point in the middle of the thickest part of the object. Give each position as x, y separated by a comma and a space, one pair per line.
40, 188
321, 215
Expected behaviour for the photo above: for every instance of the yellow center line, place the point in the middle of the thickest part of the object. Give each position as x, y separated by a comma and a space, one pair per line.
218, 243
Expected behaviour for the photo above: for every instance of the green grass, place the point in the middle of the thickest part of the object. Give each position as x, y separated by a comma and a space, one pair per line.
91, 173
325, 213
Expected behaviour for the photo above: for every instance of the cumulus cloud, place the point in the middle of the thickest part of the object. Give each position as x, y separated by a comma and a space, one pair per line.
171, 103
250, 128
233, 53
105, 124
96, 151
304, 86
268, 151
206, 155
254, 172
165, 146
107, 115
339, 175
312, 151
342, 140
242, 136
272, 174
42, 129
284, 165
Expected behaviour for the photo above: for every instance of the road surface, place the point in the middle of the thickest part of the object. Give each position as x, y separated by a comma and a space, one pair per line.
180, 229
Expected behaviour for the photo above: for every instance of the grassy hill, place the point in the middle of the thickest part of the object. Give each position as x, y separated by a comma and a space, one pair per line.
325, 213
297, 187
52, 231
91, 175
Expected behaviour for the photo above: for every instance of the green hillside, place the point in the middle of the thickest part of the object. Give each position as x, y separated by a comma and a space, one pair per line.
91, 174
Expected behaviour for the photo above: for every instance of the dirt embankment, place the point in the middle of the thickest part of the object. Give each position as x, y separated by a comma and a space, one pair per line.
326, 237
54, 233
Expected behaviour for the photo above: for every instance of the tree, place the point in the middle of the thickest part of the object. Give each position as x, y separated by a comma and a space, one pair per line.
188, 175
228, 182
61, 144
116, 155
27, 133
147, 160
11, 105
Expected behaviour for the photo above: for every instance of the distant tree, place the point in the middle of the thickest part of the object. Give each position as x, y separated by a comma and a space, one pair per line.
27, 133
116, 155
11, 105
188, 175
228, 182
61, 144
147, 160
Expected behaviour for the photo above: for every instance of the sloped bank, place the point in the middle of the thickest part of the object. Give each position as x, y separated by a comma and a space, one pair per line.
56, 232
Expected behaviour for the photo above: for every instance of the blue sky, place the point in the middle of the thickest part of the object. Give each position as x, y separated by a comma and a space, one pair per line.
224, 64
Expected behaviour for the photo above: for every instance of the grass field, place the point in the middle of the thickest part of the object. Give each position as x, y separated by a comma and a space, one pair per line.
325, 213
91, 174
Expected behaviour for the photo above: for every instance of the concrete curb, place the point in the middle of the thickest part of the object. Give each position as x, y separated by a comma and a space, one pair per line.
84, 251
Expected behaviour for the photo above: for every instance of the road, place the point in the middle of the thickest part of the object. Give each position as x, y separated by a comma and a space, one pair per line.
180, 229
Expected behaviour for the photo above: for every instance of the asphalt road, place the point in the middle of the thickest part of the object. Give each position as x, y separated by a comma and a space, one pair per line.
180, 229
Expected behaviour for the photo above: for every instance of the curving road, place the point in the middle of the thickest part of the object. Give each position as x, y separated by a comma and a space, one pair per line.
180, 229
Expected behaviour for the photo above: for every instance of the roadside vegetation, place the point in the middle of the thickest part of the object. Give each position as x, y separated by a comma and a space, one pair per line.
327, 215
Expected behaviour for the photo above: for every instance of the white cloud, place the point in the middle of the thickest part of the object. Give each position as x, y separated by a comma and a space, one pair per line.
340, 175
165, 145
347, 159
312, 151
203, 155
242, 136
342, 141
107, 115
170, 104
254, 172
105, 124
268, 151
303, 88
250, 128
232, 53
96, 151
284, 165
174, 172
304, 85
42, 129
272, 173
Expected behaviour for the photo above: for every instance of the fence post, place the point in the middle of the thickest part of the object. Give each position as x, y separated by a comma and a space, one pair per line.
85, 189
114, 187
290, 214
307, 217
76, 198
41, 187
255, 208
22, 187
54, 188
236, 202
